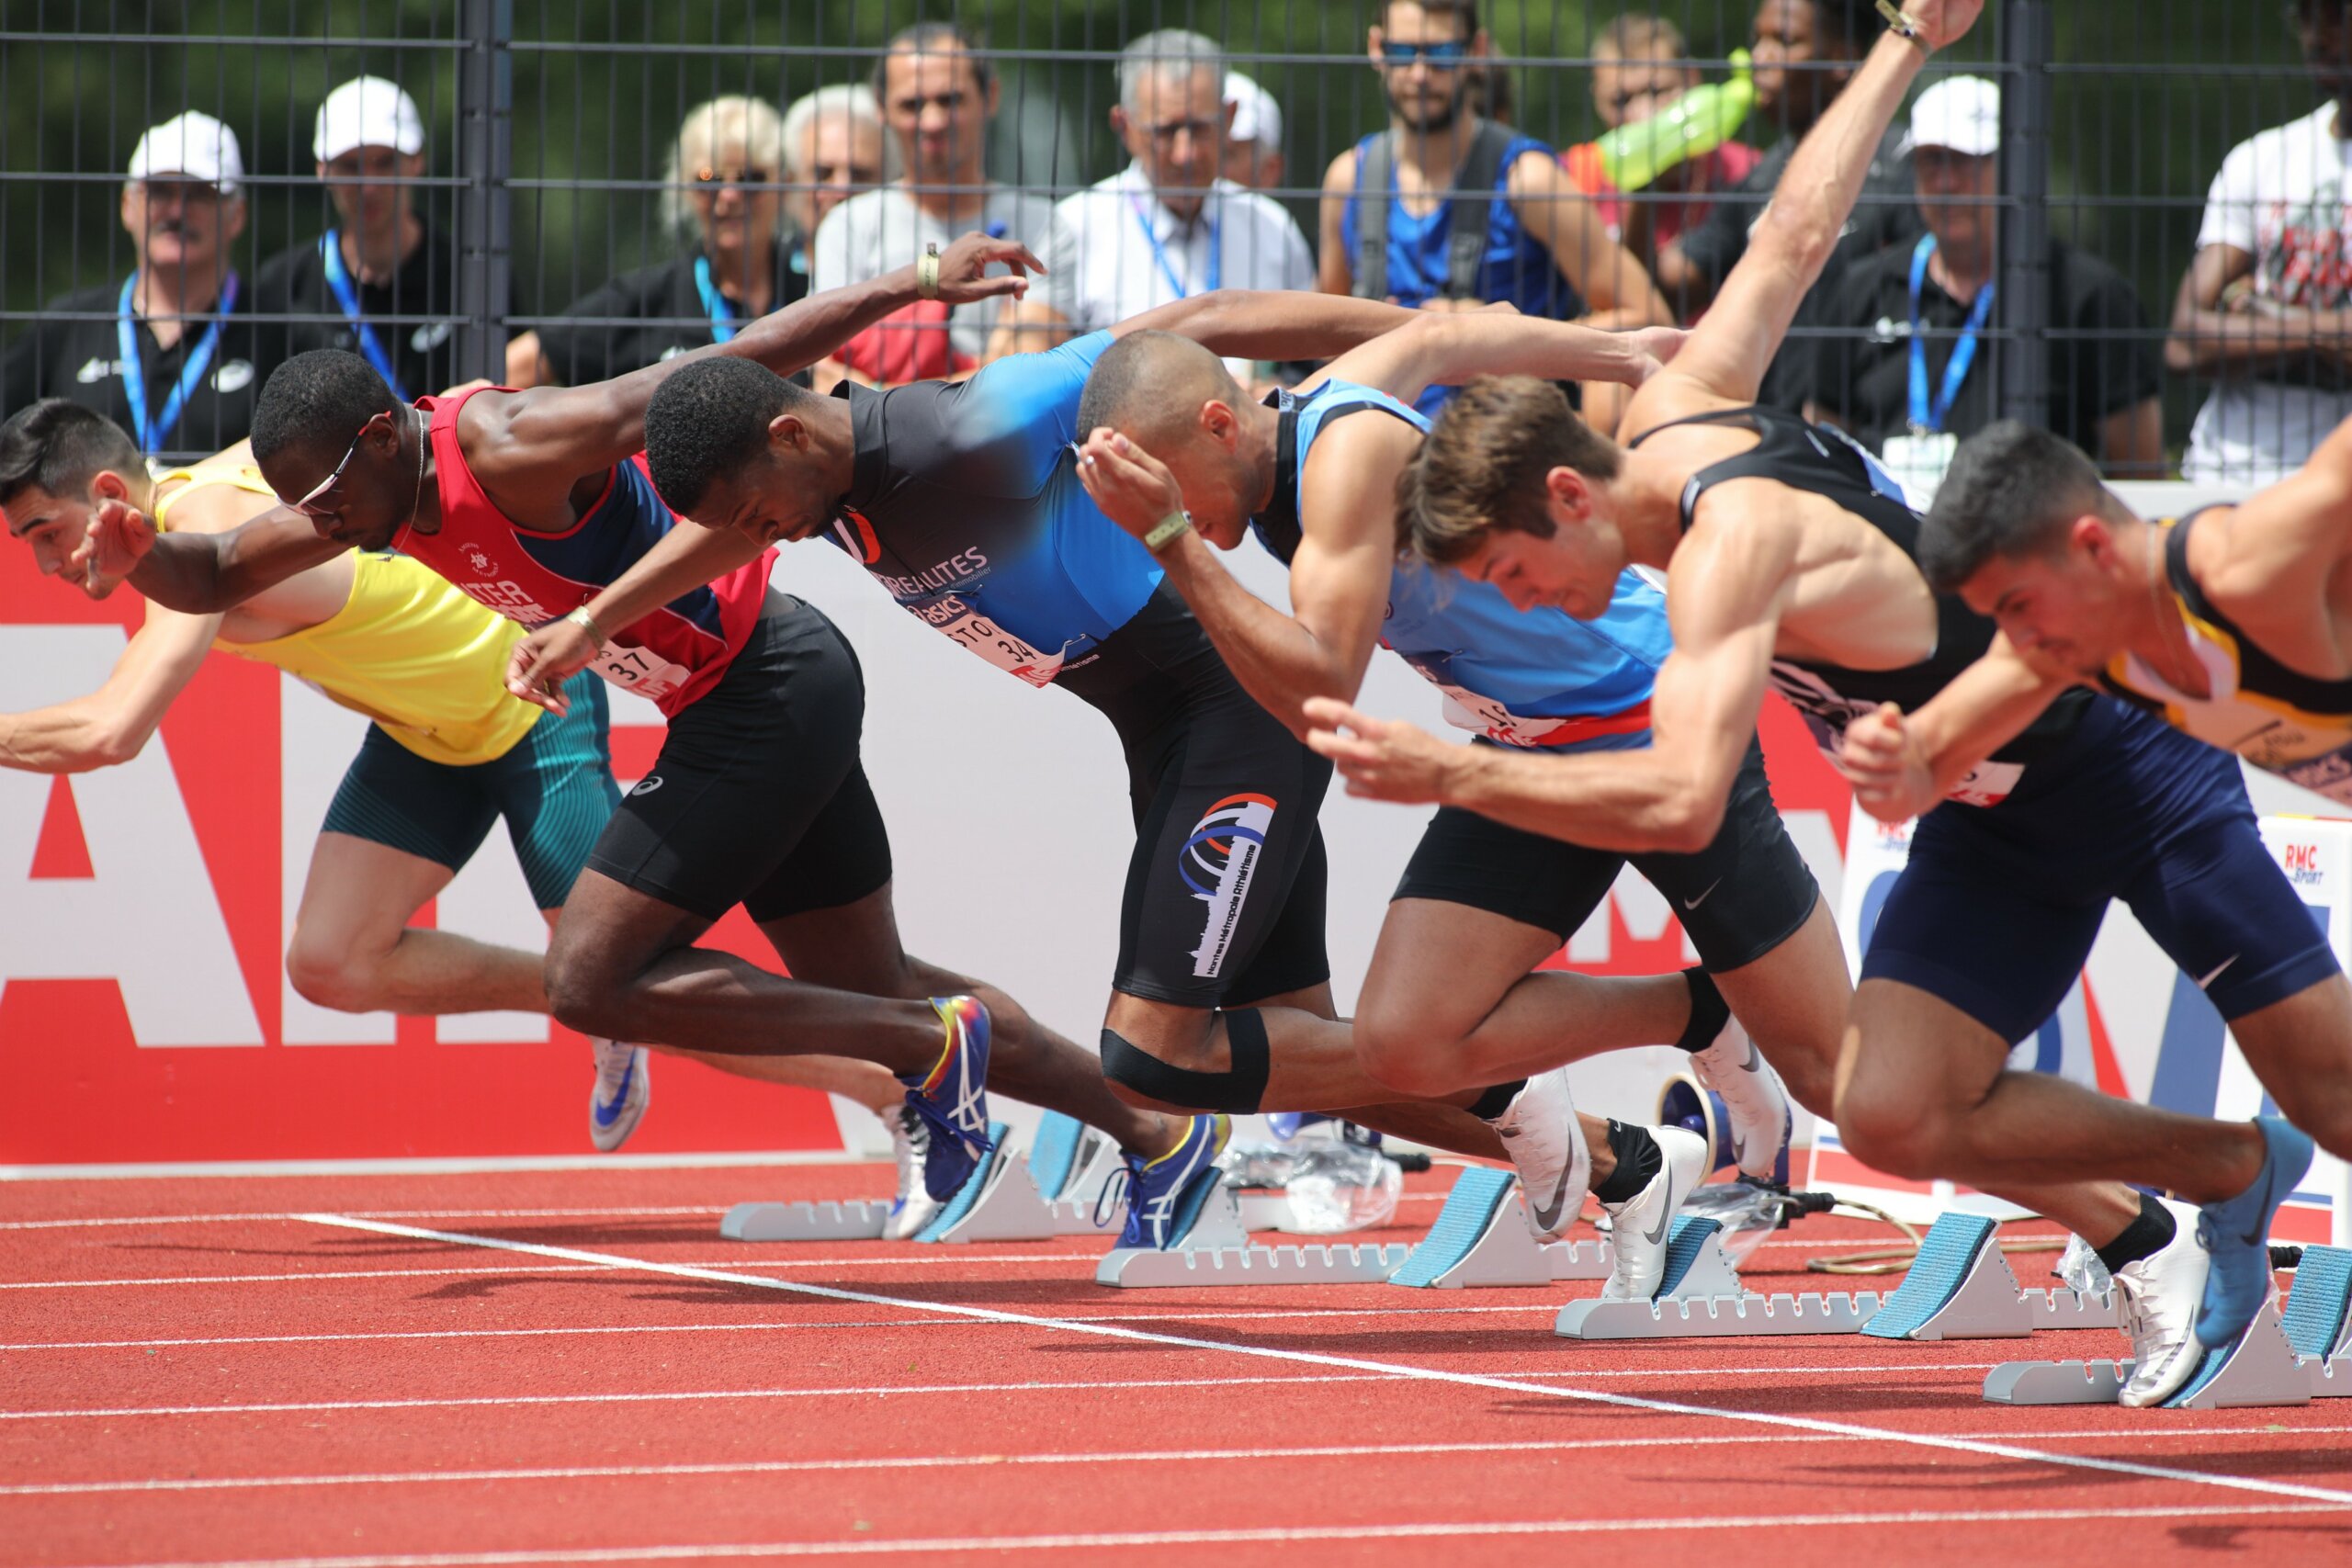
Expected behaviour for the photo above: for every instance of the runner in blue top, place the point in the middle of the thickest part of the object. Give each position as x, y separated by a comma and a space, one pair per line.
1450, 999
963, 501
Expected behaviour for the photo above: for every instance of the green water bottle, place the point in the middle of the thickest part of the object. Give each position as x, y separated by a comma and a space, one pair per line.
1691, 127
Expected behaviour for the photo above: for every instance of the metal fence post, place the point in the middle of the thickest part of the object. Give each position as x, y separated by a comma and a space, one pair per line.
2020, 351
485, 156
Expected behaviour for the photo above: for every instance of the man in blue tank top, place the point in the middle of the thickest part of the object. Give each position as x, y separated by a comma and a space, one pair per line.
1450, 1000
1791, 561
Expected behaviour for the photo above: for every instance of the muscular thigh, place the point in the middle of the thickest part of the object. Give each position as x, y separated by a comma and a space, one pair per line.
555, 788
1440, 968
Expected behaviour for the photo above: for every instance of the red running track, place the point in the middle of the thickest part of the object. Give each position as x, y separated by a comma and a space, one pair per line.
194, 1373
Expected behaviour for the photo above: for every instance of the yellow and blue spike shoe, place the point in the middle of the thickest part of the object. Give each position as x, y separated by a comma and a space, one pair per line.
952, 1099
1164, 1195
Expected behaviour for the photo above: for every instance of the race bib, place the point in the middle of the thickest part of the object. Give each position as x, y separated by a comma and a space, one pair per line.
1468, 710
1917, 463
1988, 784
963, 623
640, 671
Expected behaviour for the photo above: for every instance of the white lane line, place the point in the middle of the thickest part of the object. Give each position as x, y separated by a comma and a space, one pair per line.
941, 1257
1133, 1539
670, 1211
875, 1391
1392, 1368
1165, 1456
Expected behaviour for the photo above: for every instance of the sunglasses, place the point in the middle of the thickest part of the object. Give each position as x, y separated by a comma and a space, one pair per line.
753, 176
1437, 55
309, 505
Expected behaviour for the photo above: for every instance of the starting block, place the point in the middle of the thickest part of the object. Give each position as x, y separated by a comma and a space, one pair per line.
2292, 1358
1482, 1236
851, 1219
1961, 1287
1217, 1250
1700, 1296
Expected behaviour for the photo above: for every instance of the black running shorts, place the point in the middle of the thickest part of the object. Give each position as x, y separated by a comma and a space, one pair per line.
1738, 898
758, 797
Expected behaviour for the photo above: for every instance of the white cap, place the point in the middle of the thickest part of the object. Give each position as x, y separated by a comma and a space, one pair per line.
193, 146
366, 111
1963, 113
1255, 116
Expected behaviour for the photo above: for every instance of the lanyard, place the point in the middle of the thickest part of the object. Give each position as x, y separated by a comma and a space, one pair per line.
1160, 254
1927, 419
152, 434
346, 294
722, 313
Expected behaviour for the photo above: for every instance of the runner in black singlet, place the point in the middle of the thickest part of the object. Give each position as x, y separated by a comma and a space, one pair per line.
1791, 561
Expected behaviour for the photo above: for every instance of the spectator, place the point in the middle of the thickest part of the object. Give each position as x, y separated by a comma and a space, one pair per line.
1253, 137
1910, 382
1544, 248
1806, 50
1639, 68
938, 95
1166, 226
148, 359
2261, 308
723, 200
832, 150
380, 266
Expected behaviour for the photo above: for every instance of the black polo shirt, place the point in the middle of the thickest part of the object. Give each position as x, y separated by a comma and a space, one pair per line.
409, 313
661, 314
1864, 376
61, 357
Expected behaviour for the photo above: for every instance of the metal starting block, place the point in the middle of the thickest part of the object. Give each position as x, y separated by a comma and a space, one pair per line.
851, 1219
1700, 1296
1961, 1287
1482, 1236
1217, 1250
2282, 1358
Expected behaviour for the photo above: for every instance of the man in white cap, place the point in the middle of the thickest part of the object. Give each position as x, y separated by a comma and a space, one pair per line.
1253, 137
1910, 379
380, 282
167, 353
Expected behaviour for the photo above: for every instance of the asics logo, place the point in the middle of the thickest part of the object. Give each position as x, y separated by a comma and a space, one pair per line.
648, 785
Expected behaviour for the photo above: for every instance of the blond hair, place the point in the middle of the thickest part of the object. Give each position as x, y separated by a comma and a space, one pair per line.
749, 126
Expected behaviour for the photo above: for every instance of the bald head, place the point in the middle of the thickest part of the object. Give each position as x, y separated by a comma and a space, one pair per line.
1149, 386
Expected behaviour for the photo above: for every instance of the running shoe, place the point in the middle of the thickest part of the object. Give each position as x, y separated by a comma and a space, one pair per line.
623, 1088
1638, 1226
1540, 1131
2155, 1304
1760, 1121
914, 1208
952, 1098
1164, 1195
2235, 1233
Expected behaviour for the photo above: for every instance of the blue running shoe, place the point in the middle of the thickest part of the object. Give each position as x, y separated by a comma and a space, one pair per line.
624, 1087
2236, 1232
1164, 1195
952, 1098
1288, 1125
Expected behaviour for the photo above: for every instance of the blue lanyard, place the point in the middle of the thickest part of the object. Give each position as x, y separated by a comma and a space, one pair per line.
1924, 419
1160, 254
722, 313
152, 434
346, 294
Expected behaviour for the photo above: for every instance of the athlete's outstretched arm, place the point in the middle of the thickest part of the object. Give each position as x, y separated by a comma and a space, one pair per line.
1736, 339
197, 574
1446, 348
1901, 765
1724, 601
113, 723
1278, 324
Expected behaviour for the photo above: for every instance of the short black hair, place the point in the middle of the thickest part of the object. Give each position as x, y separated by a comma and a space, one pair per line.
2010, 489
932, 38
58, 446
1466, 9
324, 396
707, 420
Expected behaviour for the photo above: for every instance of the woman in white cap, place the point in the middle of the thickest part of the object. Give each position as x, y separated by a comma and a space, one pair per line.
167, 353
380, 282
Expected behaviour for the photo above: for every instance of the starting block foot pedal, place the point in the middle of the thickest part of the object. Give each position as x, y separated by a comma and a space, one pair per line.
1069, 1164
1482, 1237
1961, 1287
853, 1219
998, 1202
1217, 1251
1700, 1296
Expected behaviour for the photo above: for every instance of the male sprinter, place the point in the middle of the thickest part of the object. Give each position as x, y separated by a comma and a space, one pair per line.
964, 502
1789, 559
1450, 1001
530, 502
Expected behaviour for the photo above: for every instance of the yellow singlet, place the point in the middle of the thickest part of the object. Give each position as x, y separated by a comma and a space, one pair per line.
408, 650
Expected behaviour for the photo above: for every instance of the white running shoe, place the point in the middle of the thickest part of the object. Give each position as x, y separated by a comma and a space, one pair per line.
1760, 1121
1541, 1134
914, 1208
1638, 1226
624, 1087
2156, 1309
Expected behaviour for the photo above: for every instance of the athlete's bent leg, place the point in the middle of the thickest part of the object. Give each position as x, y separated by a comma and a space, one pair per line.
353, 949
1794, 1002
2301, 1048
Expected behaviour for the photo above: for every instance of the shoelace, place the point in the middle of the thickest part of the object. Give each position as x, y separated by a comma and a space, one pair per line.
1122, 1183
976, 1144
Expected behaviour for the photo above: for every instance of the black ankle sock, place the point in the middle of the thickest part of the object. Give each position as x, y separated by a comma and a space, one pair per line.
1495, 1101
1638, 1159
2143, 1237
1709, 1011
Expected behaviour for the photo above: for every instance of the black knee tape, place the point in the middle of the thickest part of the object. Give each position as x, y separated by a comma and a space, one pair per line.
1709, 1011
1238, 1090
